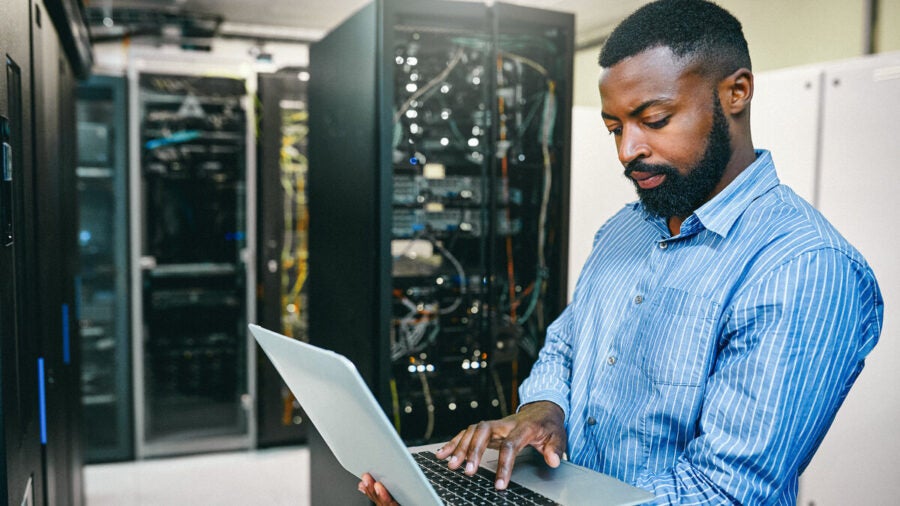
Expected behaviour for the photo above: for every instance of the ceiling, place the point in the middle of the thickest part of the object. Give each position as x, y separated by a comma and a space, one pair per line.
310, 19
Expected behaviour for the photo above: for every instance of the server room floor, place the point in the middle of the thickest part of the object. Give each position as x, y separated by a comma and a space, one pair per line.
276, 477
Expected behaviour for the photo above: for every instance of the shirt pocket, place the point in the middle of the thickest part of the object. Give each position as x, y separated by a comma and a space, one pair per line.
677, 335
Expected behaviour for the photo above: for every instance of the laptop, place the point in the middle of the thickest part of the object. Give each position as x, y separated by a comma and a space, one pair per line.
353, 425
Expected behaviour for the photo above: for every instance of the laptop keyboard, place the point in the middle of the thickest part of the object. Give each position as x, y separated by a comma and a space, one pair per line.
454, 487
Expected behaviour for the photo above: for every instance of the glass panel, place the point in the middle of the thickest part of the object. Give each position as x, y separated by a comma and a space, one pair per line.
102, 289
193, 169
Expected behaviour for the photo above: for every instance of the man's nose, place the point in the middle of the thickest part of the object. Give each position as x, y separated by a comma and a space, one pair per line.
632, 145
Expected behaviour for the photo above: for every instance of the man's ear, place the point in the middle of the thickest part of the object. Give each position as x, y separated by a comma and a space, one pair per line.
736, 91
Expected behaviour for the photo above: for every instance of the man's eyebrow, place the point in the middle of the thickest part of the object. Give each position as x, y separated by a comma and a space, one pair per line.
637, 111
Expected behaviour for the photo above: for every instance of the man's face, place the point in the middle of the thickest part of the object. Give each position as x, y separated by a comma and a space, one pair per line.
671, 133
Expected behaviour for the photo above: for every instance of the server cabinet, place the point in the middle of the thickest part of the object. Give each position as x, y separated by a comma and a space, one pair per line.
283, 234
55, 257
191, 263
39, 454
103, 296
438, 185
21, 367
71, 427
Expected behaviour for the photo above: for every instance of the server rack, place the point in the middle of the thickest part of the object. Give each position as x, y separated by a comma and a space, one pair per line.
21, 442
54, 258
192, 235
283, 237
439, 152
39, 425
103, 295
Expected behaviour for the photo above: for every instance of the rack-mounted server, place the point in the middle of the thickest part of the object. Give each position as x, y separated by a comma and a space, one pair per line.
438, 192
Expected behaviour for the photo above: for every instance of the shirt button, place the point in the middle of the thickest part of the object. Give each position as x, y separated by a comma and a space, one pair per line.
611, 361
591, 421
638, 299
663, 245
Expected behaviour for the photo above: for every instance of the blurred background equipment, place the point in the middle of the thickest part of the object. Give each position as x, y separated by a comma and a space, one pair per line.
102, 286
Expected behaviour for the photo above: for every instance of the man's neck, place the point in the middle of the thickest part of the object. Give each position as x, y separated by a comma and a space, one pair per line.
674, 223
742, 157
739, 161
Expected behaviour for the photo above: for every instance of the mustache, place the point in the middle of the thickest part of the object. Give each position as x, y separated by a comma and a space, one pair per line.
640, 166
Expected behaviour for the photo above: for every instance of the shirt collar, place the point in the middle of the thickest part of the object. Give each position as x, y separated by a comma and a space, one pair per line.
719, 214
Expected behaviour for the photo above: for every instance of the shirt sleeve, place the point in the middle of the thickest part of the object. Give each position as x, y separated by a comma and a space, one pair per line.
550, 378
792, 345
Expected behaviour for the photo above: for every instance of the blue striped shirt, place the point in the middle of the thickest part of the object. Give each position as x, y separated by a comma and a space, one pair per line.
707, 367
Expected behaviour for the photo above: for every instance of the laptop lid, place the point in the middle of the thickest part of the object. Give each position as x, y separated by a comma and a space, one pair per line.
347, 416
353, 425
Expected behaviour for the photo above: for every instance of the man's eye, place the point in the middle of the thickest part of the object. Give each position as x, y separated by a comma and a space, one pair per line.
615, 131
656, 125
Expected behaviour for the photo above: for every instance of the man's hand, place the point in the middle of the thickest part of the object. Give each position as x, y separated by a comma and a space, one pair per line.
539, 424
375, 491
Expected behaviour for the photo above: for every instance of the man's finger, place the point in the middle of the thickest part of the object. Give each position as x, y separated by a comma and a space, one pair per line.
448, 448
365, 482
462, 447
506, 459
508, 450
482, 435
383, 496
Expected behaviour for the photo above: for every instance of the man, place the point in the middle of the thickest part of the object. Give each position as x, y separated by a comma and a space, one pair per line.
718, 323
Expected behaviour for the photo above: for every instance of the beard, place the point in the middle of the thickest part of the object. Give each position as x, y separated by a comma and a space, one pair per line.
680, 195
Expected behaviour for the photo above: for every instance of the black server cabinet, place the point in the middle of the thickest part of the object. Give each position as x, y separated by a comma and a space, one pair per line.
192, 372
21, 435
22, 473
102, 283
283, 221
438, 192
56, 256
65, 392
40, 461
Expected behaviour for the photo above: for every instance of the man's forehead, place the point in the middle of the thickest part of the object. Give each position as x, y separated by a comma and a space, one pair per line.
658, 63
653, 73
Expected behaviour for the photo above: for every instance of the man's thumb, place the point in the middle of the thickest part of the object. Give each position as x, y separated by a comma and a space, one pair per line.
551, 455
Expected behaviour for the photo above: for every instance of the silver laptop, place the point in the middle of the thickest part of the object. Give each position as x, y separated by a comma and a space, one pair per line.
353, 425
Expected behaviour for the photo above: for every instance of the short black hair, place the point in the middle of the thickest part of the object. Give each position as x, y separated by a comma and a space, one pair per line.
695, 30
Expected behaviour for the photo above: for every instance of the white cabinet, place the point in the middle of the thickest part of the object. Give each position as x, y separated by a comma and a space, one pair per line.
859, 168
784, 116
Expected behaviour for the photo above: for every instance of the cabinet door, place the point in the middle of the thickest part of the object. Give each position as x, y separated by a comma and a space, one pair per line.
51, 294
784, 119
283, 237
21, 480
858, 460
193, 369
103, 269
